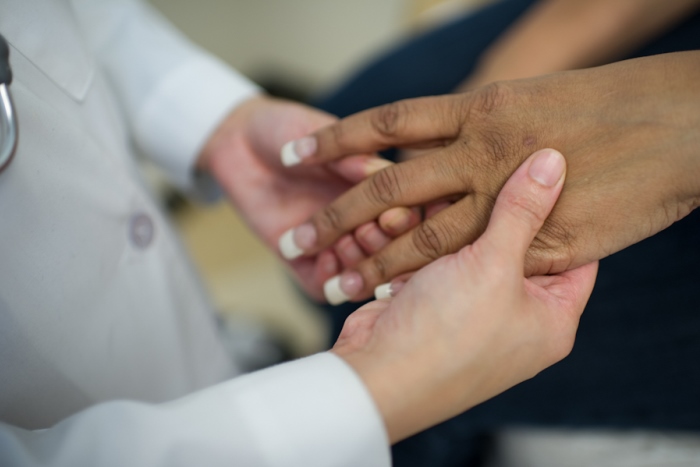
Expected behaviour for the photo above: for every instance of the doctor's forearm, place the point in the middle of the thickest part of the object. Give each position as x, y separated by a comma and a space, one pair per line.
557, 35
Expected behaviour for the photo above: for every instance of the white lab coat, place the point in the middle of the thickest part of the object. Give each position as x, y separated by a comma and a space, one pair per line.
107, 342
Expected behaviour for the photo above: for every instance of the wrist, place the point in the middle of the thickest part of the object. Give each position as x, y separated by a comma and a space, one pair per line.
410, 391
683, 115
232, 126
384, 382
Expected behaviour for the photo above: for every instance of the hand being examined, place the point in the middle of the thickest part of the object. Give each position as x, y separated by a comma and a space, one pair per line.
630, 132
470, 325
243, 156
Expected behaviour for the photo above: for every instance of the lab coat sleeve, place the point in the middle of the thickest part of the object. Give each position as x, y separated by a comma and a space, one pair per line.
313, 412
173, 93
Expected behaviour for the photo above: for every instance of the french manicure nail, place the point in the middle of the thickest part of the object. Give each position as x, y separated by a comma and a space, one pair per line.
342, 288
296, 151
288, 246
305, 236
396, 287
383, 292
547, 168
294, 242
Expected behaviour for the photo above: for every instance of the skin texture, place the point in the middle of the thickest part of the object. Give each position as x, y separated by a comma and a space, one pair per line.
469, 325
630, 132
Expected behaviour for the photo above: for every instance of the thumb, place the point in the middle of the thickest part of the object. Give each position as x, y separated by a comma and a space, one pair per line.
359, 327
524, 204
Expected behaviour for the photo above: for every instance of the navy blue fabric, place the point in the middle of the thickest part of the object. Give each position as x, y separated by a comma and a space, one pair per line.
635, 363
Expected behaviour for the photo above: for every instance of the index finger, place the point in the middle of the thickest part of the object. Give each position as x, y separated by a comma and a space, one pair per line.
402, 123
410, 183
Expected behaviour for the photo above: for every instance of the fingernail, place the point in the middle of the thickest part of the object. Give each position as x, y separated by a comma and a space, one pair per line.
305, 236
396, 287
388, 290
296, 151
383, 292
375, 165
294, 242
288, 246
396, 220
547, 168
342, 288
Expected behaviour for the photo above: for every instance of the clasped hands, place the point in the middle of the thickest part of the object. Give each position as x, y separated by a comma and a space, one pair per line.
628, 131
488, 311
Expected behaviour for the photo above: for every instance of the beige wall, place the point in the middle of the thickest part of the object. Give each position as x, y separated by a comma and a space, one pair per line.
311, 41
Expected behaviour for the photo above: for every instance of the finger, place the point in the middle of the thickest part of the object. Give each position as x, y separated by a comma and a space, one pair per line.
327, 266
446, 233
398, 221
357, 168
412, 183
406, 122
371, 238
349, 251
391, 289
433, 208
524, 203
412, 153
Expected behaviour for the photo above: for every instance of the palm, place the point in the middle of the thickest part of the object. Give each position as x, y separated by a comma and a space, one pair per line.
272, 198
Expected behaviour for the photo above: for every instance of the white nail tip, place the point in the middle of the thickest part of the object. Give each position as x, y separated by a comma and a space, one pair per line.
288, 246
289, 155
333, 293
383, 291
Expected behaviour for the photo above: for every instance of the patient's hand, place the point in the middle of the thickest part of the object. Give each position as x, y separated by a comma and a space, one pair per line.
469, 325
630, 132
243, 155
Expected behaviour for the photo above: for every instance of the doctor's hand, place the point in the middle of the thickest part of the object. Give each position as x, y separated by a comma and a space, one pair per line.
243, 155
630, 132
470, 325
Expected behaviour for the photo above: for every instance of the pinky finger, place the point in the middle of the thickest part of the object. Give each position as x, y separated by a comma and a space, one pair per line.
371, 238
348, 251
327, 266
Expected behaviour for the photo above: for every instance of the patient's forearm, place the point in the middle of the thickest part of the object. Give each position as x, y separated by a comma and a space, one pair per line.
560, 35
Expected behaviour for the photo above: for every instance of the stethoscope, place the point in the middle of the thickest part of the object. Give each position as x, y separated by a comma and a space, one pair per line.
8, 119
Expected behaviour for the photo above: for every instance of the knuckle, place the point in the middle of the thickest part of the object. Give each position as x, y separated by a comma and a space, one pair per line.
429, 240
456, 166
497, 146
338, 134
329, 219
376, 270
384, 186
552, 250
500, 138
491, 98
387, 119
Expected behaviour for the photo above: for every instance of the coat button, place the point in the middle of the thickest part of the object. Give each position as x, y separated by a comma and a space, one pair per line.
141, 230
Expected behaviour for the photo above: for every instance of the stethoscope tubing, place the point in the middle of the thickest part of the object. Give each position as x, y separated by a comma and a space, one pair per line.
9, 132
9, 136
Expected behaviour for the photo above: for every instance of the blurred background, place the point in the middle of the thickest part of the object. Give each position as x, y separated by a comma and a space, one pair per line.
295, 48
